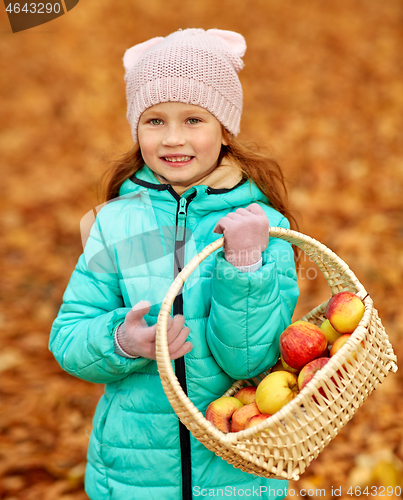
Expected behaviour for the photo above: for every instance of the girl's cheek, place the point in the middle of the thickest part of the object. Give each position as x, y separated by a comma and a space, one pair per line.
146, 146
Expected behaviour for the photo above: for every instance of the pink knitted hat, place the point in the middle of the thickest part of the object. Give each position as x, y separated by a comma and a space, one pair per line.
192, 66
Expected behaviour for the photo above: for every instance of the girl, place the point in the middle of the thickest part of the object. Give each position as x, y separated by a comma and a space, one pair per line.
185, 182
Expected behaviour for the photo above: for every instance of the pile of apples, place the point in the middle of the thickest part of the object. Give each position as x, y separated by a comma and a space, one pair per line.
304, 350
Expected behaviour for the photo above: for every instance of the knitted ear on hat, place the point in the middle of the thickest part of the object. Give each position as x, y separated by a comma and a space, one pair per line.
133, 54
235, 41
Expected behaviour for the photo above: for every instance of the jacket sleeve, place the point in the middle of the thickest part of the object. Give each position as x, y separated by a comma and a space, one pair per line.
81, 337
250, 310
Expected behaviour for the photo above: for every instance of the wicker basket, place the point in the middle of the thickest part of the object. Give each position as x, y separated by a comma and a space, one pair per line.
284, 445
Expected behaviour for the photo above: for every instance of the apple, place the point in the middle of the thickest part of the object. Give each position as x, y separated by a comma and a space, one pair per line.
256, 420
344, 311
241, 416
277, 367
247, 394
308, 371
300, 343
286, 367
340, 343
220, 411
275, 391
330, 333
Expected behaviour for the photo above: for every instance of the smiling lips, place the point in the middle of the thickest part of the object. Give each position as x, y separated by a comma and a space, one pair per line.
177, 159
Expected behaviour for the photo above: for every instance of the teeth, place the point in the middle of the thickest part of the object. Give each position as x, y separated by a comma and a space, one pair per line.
182, 158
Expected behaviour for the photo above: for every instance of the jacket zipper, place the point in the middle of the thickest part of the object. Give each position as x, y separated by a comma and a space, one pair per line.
181, 219
180, 367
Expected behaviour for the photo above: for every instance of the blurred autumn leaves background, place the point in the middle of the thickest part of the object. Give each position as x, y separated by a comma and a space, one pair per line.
323, 89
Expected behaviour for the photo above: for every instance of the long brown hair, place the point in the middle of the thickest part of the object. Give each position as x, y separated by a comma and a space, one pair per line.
264, 171
120, 170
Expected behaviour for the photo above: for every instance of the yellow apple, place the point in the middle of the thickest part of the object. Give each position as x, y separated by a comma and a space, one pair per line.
275, 391
330, 333
344, 311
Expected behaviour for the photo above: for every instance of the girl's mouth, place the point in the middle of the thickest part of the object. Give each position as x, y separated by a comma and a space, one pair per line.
177, 160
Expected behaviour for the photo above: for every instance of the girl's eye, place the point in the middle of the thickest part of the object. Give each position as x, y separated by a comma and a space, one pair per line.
155, 121
193, 121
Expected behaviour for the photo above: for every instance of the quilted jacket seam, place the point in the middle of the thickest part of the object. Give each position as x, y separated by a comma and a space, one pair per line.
287, 301
211, 376
147, 276
144, 485
172, 413
200, 359
93, 363
201, 318
237, 310
131, 448
233, 347
152, 275
93, 281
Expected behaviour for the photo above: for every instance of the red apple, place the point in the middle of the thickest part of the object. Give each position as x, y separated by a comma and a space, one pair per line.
220, 411
302, 342
242, 415
344, 311
247, 394
256, 420
330, 333
275, 391
309, 371
287, 368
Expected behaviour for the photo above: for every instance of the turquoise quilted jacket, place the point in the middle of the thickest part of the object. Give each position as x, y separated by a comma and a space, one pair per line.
138, 448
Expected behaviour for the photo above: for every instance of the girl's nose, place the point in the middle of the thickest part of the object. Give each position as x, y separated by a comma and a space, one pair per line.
173, 137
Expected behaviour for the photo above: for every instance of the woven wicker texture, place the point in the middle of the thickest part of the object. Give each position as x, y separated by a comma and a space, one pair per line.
284, 445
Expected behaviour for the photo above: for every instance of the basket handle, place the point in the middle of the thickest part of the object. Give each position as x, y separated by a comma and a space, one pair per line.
338, 275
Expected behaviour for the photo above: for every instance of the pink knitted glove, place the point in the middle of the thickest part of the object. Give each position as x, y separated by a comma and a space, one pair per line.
136, 338
246, 235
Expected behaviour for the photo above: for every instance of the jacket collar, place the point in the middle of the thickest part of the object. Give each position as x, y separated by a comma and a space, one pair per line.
224, 178
144, 182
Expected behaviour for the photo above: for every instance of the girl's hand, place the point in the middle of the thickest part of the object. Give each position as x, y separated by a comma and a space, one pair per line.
136, 338
246, 235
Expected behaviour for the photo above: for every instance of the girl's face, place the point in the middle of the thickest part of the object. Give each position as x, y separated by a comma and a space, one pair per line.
180, 142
